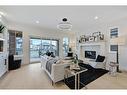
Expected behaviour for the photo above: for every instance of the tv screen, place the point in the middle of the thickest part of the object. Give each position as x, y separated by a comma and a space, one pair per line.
90, 54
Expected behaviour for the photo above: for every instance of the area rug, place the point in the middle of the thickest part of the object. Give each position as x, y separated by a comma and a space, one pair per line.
85, 78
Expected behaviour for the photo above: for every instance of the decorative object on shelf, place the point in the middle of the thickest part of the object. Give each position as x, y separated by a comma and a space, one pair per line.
64, 25
91, 38
96, 36
81, 38
96, 33
86, 38
101, 37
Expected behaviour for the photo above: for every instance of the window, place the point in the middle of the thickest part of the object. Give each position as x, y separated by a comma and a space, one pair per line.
40, 46
114, 33
35, 47
51, 46
65, 45
113, 47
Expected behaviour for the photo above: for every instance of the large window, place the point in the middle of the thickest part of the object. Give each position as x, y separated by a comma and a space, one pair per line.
50, 46
65, 45
40, 46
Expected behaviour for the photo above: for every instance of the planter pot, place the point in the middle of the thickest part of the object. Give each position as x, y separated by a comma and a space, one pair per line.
74, 66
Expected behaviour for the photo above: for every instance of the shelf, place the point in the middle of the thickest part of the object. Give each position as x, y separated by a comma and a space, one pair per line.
92, 43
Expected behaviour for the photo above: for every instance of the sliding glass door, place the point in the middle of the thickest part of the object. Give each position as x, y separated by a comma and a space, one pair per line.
35, 47
40, 46
51, 46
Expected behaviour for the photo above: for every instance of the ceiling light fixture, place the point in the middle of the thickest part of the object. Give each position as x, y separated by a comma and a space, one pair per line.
37, 22
96, 17
64, 25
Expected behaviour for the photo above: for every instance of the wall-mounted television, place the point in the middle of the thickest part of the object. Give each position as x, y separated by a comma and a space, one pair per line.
90, 54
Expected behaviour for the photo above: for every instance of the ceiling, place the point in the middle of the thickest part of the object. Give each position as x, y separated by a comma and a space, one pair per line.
81, 17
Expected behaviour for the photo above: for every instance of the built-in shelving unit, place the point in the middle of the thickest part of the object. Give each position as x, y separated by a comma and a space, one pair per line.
3, 52
99, 43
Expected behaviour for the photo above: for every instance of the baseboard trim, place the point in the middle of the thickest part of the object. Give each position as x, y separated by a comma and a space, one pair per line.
125, 71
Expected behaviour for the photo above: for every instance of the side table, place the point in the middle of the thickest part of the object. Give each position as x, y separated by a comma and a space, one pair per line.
113, 68
76, 73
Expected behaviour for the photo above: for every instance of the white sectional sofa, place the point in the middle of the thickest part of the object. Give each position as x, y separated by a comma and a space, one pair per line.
57, 71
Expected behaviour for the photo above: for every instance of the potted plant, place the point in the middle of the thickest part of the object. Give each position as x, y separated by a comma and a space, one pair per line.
75, 61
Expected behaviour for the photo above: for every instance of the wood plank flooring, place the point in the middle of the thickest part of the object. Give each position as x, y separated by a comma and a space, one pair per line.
33, 77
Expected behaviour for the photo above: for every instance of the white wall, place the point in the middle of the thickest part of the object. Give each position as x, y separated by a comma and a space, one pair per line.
105, 28
39, 32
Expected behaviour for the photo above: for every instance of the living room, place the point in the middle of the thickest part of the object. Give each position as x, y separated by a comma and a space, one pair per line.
78, 33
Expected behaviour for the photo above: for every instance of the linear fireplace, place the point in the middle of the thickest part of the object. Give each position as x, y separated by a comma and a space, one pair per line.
90, 54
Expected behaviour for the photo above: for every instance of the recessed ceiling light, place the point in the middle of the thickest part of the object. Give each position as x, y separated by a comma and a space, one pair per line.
1, 13
37, 21
0, 16
96, 17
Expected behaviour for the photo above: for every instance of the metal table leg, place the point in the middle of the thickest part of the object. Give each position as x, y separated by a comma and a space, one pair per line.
78, 81
75, 82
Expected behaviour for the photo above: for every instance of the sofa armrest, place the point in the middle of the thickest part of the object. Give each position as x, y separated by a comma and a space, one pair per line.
58, 71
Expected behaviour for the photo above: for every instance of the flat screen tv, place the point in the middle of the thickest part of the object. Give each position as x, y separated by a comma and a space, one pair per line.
90, 54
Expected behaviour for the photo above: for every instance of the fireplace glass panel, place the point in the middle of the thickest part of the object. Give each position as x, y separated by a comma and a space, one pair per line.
90, 54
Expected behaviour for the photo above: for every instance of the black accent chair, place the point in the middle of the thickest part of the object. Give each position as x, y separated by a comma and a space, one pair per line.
100, 58
13, 64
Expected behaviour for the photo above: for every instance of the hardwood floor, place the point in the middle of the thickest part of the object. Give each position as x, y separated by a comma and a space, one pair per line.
33, 77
